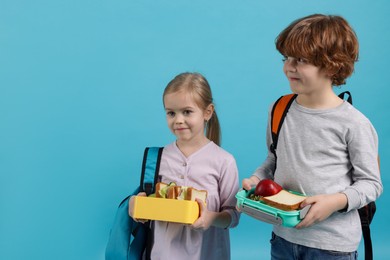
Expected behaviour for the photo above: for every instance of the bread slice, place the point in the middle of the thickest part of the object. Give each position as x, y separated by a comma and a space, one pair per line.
284, 200
193, 194
173, 192
159, 187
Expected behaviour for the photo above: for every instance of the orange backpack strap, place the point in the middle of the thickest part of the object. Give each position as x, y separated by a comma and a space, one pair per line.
278, 113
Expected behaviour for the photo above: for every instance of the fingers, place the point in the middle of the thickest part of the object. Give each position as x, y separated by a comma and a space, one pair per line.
131, 206
319, 210
201, 205
143, 221
308, 219
197, 224
306, 202
247, 184
200, 223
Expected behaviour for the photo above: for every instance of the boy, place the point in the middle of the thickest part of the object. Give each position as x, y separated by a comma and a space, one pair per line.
327, 149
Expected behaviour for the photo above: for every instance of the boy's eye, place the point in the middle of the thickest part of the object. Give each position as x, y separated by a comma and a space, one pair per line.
301, 60
295, 60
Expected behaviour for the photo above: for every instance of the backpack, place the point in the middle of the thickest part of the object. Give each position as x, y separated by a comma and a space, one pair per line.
278, 114
128, 239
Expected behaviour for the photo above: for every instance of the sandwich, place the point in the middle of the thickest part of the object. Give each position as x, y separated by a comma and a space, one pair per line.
172, 191
284, 200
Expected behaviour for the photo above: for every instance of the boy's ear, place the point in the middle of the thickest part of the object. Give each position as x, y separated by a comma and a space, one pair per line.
208, 112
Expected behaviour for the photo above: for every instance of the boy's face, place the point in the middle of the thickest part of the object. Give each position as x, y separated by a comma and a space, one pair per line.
305, 78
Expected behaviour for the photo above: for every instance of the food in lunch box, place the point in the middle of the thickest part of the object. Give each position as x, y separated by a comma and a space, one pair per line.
284, 200
272, 194
267, 187
172, 191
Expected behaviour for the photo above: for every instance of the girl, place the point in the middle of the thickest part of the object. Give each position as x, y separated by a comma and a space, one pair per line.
327, 149
196, 159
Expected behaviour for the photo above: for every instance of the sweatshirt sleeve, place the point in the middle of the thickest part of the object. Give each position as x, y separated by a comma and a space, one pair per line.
363, 153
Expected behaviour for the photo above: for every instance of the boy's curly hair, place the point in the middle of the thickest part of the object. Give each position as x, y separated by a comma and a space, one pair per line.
326, 41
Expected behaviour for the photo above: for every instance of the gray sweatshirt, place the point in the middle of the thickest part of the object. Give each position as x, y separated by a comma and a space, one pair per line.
325, 152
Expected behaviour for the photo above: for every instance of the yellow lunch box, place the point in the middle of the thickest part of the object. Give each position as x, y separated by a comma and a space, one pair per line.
171, 210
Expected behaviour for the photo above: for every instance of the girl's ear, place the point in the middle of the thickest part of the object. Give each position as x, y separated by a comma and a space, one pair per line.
208, 112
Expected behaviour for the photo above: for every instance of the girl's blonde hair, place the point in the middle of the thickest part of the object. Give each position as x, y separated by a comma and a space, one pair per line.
198, 87
326, 41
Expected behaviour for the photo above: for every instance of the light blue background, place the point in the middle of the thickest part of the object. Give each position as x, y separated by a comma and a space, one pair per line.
80, 97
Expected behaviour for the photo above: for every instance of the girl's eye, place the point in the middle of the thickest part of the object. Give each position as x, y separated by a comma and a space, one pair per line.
284, 59
187, 112
170, 114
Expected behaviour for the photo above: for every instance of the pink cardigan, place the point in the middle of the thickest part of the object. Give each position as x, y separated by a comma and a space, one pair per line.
213, 169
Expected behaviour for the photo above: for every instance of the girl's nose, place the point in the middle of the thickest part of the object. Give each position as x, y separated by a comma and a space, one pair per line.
179, 119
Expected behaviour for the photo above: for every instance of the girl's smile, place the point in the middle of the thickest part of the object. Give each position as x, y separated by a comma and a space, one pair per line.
185, 118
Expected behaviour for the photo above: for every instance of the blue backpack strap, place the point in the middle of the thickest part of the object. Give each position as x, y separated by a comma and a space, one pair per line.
150, 169
129, 239
122, 243
149, 178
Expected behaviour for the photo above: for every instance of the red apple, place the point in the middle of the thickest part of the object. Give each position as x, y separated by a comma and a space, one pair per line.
267, 187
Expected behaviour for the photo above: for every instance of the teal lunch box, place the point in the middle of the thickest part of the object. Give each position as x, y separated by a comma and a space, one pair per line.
261, 211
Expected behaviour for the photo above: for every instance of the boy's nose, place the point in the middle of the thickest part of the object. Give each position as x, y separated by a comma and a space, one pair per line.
290, 65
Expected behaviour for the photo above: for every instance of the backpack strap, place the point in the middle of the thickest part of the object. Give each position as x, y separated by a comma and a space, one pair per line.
278, 113
149, 178
366, 215
129, 239
150, 169
367, 212
349, 99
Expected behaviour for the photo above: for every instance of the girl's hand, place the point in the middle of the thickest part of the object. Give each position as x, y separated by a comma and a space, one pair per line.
210, 218
248, 183
322, 206
131, 207
206, 217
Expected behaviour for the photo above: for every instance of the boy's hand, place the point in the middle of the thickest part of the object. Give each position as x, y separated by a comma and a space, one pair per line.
248, 183
322, 206
131, 207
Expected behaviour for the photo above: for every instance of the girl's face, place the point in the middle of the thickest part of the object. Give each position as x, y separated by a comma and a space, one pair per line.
305, 78
185, 118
